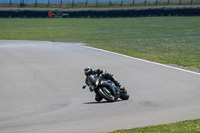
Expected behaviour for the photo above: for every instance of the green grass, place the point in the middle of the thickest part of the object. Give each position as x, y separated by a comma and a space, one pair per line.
168, 40
192, 126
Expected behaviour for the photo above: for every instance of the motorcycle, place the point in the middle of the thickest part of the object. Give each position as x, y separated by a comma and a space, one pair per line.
105, 89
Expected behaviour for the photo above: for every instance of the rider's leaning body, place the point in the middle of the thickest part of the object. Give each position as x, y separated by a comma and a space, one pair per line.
88, 71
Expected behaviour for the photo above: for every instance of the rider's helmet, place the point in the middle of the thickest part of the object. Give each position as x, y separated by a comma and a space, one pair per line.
88, 71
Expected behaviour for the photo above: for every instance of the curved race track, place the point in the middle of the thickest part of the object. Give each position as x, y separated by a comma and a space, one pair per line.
40, 90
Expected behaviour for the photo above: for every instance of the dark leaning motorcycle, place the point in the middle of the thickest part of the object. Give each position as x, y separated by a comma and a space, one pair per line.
105, 89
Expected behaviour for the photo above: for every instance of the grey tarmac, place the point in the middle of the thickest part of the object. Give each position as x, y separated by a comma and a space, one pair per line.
40, 90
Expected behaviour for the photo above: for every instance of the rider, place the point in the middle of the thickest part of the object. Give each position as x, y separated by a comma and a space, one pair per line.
88, 71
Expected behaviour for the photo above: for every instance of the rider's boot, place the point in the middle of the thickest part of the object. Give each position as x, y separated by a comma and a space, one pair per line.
119, 86
122, 87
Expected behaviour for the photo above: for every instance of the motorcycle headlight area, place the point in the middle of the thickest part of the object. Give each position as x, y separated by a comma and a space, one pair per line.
97, 82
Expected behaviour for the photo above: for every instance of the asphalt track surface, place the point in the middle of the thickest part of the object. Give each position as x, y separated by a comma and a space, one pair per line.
40, 90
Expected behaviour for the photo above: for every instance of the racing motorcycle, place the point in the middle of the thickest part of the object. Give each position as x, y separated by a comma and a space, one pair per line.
105, 89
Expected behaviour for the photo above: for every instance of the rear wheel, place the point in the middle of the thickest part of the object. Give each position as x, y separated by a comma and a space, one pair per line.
124, 95
106, 94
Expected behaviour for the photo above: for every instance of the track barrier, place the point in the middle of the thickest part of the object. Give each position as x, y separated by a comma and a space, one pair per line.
102, 13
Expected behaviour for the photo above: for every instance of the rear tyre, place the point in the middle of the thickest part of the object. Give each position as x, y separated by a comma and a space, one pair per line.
124, 95
103, 92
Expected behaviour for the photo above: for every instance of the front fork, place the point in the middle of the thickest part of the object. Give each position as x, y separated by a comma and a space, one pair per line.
117, 92
114, 90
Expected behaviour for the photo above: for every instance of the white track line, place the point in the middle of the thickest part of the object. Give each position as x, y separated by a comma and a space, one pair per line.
142, 60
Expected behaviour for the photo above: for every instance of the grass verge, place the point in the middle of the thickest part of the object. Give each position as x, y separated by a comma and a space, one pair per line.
191, 126
168, 40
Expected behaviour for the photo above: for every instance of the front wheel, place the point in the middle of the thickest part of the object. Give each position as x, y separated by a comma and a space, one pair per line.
98, 98
106, 94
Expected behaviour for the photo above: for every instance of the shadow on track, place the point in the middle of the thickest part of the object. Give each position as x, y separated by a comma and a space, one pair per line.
101, 102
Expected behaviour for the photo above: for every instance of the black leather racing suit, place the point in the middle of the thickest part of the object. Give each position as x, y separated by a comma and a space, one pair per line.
104, 75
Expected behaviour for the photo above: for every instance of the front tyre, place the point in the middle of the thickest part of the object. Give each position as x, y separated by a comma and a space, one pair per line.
103, 92
98, 98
